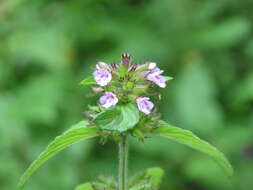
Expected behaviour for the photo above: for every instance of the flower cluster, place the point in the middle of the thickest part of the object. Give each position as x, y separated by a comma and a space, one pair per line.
127, 82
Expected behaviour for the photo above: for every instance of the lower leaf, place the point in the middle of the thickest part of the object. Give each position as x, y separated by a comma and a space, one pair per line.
148, 179
76, 133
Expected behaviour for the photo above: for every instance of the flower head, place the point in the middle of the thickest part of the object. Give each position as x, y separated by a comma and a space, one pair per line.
108, 100
144, 105
131, 85
102, 76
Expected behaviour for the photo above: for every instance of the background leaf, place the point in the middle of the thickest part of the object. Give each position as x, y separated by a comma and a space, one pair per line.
188, 138
78, 132
120, 118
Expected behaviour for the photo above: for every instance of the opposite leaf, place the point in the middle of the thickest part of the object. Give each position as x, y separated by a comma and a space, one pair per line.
121, 118
78, 132
188, 138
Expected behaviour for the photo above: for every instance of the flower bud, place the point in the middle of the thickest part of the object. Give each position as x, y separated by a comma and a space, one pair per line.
125, 58
114, 66
132, 68
102, 65
151, 65
97, 89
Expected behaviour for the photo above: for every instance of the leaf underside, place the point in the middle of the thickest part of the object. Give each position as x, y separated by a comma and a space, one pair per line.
121, 118
76, 133
188, 138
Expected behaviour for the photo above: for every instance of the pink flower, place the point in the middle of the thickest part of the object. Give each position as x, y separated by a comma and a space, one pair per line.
108, 100
154, 75
102, 76
144, 105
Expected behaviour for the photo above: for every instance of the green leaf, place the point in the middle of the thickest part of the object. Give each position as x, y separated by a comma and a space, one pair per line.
88, 81
188, 138
168, 78
86, 186
120, 118
150, 178
94, 186
76, 133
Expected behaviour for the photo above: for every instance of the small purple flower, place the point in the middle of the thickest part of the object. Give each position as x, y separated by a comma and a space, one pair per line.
144, 105
155, 76
102, 77
108, 100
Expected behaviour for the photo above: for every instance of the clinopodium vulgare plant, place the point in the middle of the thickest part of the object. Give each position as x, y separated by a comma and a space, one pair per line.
126, 107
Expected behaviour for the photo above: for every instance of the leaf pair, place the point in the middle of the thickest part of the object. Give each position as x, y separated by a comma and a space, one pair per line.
149, 179
80, 132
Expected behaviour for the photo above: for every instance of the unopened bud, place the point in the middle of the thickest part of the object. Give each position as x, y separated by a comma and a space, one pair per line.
151, 65
102, 65
114, 66
132, 68
126, 58
97, 89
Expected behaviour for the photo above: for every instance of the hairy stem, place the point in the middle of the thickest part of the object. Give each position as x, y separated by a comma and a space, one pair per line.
123, 161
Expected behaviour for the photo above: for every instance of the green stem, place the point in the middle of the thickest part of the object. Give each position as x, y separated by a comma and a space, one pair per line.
123, 161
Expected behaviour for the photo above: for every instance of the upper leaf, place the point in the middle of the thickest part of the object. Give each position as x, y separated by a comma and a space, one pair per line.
78, 132
120, 118
88, 81
188, 138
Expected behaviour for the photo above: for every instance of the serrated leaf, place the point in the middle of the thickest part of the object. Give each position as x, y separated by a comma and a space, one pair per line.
150, 178
188, 138
88, 81
76, 133
121, 118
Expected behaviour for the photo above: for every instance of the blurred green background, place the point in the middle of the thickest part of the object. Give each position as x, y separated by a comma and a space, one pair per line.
48, 46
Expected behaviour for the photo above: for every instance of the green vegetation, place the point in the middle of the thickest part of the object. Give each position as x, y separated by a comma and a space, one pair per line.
47, 48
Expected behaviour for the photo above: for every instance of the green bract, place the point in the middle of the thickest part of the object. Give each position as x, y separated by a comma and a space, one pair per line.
120, 118
88, 81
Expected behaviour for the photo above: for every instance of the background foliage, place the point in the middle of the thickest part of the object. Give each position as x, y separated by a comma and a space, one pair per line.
48, 47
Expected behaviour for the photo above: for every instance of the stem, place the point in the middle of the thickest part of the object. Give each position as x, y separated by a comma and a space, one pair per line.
123, 161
